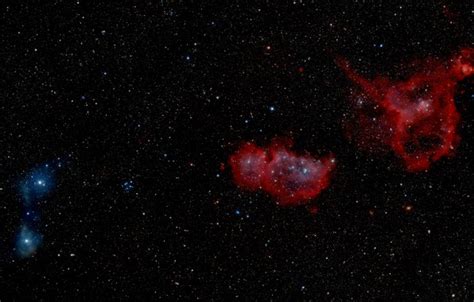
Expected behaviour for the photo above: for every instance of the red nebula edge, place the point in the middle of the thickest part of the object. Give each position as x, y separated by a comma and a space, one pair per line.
290, 178
416, 118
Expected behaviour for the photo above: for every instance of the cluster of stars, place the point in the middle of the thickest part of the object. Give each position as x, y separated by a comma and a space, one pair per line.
128, 186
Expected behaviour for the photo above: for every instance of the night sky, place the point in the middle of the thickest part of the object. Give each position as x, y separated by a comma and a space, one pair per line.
119, 125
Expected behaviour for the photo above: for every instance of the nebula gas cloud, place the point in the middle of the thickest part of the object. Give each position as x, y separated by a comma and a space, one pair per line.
35, 186
290, 178
416, 117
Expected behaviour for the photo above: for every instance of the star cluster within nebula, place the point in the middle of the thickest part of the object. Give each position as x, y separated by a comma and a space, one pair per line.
416, 118
290, 178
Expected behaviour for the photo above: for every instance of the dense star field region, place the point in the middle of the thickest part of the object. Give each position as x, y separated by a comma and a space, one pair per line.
248, 150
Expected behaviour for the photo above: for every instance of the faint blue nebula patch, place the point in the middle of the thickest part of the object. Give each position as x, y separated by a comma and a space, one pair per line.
37, 184
33, 188
27, 241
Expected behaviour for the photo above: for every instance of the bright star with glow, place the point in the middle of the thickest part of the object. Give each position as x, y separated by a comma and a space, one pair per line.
27, 242
37, 184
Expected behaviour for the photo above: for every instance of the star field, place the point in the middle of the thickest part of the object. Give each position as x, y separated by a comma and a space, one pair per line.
123, 175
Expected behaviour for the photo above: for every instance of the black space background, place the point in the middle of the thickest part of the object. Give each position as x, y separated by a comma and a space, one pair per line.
160, 92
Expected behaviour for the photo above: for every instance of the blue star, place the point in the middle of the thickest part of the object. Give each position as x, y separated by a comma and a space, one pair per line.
30, 215
27, 242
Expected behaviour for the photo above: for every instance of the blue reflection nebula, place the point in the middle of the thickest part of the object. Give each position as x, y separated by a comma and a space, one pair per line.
27, 241
33, 188
37, 184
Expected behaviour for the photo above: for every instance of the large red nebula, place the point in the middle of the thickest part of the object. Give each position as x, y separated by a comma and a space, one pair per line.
290, 178
415, 117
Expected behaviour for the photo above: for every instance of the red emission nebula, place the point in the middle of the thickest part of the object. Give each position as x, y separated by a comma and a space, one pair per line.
290, 178
416, 118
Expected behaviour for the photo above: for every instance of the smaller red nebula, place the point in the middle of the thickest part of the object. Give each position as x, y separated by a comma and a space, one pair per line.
290, 178
416, 118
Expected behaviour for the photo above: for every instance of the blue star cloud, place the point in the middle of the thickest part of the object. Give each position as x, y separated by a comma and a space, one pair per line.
27, 241
37, 184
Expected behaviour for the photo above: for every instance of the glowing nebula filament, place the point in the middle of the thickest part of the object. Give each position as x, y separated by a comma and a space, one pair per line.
416, 118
